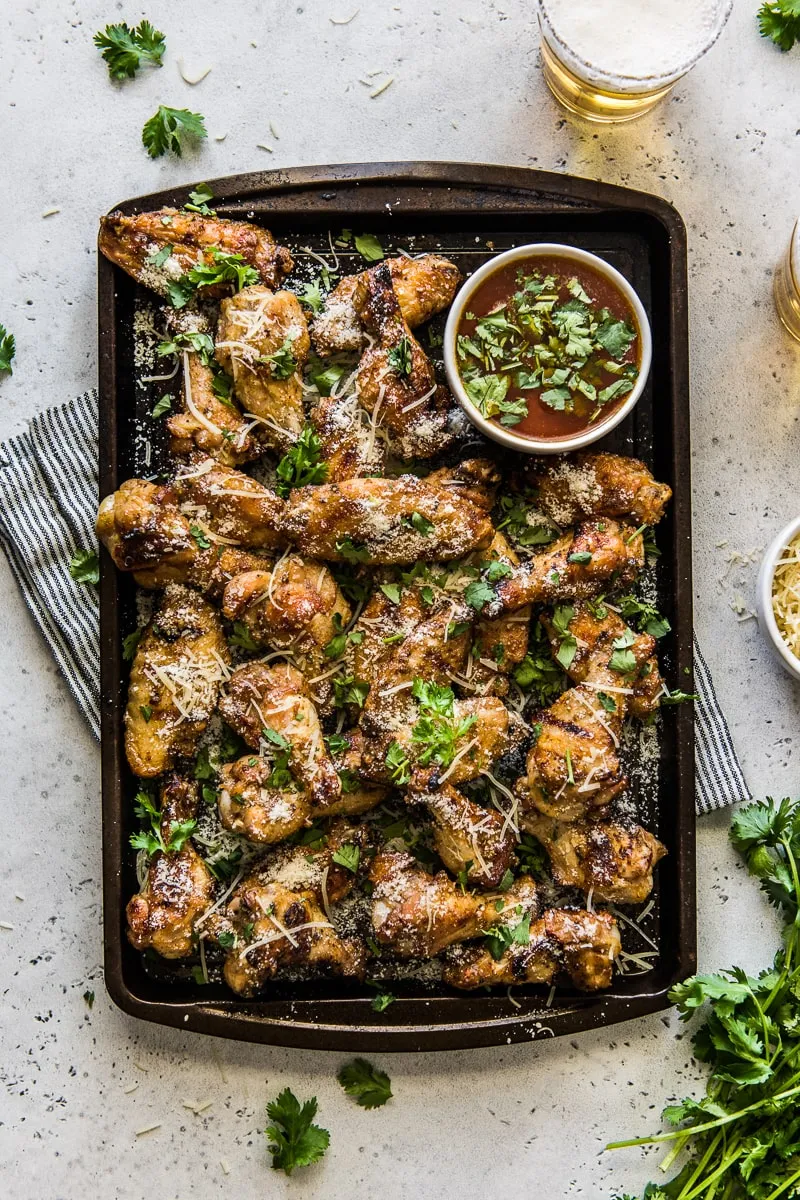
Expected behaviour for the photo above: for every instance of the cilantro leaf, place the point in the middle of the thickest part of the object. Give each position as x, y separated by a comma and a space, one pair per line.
347, 856
615, 336
164, 405
84, 566
326, 376
130, 644
478, 593
369, 1086
169, 128
368, 247
241, 637
198, 201
8, 348
125, 49
282, 362
780, 21
399, 357
397, 762
302, 464
201, 343
292, 1139
224, 267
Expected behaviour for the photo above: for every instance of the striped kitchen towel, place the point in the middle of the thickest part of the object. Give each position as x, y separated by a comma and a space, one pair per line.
48, 502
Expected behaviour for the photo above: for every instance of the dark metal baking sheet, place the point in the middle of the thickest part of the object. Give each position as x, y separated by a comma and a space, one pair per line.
468, 212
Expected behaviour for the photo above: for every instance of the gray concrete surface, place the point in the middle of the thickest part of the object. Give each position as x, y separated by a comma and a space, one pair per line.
521, 1121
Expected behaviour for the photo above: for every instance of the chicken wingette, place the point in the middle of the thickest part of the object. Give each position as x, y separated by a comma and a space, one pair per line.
571, 488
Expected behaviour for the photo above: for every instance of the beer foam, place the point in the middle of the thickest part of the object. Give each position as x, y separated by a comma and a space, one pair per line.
625, 42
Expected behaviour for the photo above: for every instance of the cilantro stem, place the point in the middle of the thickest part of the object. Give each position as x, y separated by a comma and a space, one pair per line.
779, 1190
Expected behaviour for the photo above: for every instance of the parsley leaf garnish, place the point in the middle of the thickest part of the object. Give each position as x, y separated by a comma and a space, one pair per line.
150, 839
368, 247
169, 128
164, 405
200, 538
370, 1087
293, 1141
125, 49
225, 267
678, 697
647, 617
84, 566
436, 730
201, 343
478, 593
302, 464
399, 357
129, 645
349, 690
568, 646
382, 1001
8, 348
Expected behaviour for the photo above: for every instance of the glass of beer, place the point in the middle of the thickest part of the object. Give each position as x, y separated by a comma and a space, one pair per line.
613, 60
787, 285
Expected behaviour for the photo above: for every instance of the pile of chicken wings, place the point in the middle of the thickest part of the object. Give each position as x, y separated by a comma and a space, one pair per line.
381, 615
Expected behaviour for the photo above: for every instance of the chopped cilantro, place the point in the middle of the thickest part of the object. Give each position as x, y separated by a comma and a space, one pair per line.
302, 464
369, 1087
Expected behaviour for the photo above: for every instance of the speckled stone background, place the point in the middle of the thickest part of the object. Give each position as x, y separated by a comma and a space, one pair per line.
518, 1122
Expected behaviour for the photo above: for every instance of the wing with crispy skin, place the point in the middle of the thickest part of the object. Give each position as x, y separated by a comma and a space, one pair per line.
574, 487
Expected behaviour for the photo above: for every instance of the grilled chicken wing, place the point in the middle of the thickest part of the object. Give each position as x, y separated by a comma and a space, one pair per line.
181, 660
277, 699
580, 944
384, 521
350, 445
563, 572
396, 382
467, 837
206, 423
359, 795
238, 510
262, 341
178, 887
499, 645
423, 287
250, 804
598, 632
133, 242
418, 914
612, 860
296, 606
570, 489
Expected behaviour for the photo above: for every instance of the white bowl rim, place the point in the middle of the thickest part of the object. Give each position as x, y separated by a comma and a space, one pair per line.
502, 435
766, 577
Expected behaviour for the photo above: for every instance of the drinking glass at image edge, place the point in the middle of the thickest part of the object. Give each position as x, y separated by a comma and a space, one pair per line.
613, 60
787, 285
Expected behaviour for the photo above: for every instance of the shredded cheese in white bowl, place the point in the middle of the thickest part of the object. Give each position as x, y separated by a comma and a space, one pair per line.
778, 597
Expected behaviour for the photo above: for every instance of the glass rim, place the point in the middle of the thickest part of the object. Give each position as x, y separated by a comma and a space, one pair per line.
793, 257
651, 82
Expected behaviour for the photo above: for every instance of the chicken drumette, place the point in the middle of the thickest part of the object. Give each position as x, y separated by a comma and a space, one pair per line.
570, 489
468, 838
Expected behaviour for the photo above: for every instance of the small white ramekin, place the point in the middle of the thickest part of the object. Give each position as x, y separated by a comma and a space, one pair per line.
766, 614
503, 434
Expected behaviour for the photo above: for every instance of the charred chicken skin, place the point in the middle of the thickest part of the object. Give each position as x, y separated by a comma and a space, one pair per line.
597, 485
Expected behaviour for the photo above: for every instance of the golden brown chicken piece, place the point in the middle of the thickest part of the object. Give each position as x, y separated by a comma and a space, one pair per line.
277, 699
251, 804
181, 660
499, 645
418, 914
405, 641
396, 383
612, 860
178, 887
350, 446
207, 423
423, 287
598, 632
562, 571
132, 242
473, 479
144, 530
359, 795
262, 341
142, 526
399, 520
582, 945
467, 837
239, 510
573, 768
574, 487
275, 927
296, 606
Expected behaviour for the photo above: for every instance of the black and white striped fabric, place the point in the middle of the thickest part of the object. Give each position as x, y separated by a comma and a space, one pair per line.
48, 501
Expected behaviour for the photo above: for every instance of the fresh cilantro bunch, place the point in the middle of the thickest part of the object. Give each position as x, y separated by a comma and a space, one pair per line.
125, 49
293, 1140
780, 21
170, 129
743, 1137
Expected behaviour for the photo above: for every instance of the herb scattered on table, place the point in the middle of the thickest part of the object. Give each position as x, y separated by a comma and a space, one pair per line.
84, 566
125, 49
369, 1086
293, 1140
170, 128
780, 21
8, 348
743, 1137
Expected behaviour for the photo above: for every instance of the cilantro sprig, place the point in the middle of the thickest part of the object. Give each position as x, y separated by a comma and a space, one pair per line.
8, 348
84, 566
742, 1139
171, 129
302, 464
436, 730
151, 839
779, 20
292, 1138
369, 1086
125, 49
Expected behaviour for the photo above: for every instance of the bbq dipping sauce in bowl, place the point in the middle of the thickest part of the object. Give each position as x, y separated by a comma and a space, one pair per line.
547, 348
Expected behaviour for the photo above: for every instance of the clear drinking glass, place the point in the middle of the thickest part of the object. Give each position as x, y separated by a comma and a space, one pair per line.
787, 285
613, 60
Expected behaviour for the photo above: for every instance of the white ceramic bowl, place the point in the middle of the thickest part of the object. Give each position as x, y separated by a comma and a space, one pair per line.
505, 435
766, 615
